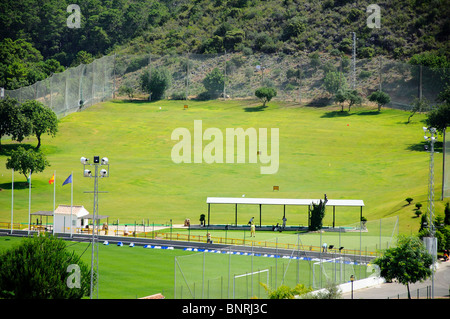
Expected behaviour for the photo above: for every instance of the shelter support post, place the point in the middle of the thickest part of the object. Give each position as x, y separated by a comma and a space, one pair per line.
235, 214
334, 215
209, 211
260, 215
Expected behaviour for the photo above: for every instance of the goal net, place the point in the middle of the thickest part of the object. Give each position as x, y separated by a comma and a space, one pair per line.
249, 284
337, 270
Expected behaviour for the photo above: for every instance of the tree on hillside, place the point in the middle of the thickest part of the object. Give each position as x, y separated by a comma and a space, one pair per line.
26, 162
340, 97
12, 121
408, 262
156, 84
265, 94
334, 81
353, 98
43, 268
380, 97
214, 82
43, 119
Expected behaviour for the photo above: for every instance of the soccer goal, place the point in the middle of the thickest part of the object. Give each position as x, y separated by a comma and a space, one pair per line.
249, 284
337, 270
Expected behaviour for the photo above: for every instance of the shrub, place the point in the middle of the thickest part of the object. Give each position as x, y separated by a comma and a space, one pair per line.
409, 200
214, 82
157, 84
37, 268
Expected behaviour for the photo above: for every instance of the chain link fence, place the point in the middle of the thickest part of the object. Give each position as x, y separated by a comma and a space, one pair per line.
246, 269
306, 79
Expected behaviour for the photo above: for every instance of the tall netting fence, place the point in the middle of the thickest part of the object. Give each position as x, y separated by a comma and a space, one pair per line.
73, 89
307, 79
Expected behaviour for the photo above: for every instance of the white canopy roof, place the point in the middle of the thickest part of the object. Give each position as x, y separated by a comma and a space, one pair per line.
282, 201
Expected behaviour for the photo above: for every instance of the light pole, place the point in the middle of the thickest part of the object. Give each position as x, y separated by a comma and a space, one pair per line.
432, 139
95, 220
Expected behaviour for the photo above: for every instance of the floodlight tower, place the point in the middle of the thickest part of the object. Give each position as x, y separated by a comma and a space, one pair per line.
432, 139
95, 219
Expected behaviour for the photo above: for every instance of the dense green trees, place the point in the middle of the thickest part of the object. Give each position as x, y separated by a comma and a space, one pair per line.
21, 64
203, 26
43, 268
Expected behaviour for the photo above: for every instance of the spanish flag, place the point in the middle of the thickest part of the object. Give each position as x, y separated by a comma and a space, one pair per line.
52, 180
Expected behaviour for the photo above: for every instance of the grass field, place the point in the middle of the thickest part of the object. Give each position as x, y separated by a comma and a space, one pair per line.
363, 154
379, 235
125, 273
129, 273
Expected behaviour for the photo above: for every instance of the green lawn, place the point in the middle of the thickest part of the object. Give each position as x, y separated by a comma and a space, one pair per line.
371, 241
125, 273
363, 154
129, 273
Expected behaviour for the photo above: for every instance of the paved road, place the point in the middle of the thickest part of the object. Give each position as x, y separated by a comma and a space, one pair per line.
392, 290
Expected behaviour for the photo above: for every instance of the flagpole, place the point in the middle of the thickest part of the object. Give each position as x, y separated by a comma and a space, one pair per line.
29, 205
54, 201
12, 200
71, 206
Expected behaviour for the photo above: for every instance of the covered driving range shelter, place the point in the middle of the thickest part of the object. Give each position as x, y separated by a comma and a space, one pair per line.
282, 202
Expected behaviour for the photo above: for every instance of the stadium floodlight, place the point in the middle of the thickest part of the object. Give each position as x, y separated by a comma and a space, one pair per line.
95, 225
425, 129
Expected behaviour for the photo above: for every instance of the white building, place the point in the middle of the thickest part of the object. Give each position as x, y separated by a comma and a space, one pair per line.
63, 215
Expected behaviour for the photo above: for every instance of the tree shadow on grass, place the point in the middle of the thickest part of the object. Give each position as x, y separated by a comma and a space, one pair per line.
333, 114
255, 108
6, 149
420, 147
375, 112
17, 185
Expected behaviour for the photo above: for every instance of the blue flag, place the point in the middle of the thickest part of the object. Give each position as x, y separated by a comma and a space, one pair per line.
68, 180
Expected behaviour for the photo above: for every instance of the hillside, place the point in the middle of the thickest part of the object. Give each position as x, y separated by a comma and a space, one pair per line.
205, 26
321, 150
